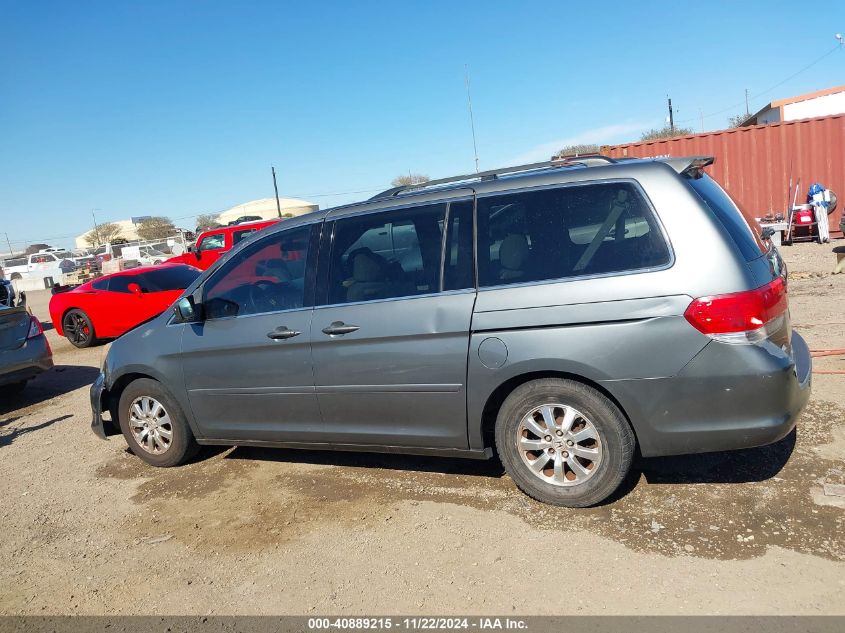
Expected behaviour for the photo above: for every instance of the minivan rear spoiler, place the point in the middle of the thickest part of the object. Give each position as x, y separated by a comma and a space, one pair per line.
689, 166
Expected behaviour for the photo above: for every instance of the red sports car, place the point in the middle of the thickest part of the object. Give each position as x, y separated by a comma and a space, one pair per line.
108, 306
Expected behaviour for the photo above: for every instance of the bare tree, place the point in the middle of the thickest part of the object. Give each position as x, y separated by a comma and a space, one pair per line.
738, 120
577, 150
410, 179
207, 221
107, 232
156, 228
665, 132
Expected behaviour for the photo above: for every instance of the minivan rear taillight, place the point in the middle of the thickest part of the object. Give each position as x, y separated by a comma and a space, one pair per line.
741, 317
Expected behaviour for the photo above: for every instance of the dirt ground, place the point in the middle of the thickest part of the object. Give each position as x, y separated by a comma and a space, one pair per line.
89, 529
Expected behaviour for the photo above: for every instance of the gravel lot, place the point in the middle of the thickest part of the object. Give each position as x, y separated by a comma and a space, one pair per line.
89, 529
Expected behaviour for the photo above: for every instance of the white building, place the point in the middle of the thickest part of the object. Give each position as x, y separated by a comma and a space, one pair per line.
128, 231
813, 104
264, 208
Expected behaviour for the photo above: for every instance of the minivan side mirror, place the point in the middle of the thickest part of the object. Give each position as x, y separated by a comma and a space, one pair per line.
187, 311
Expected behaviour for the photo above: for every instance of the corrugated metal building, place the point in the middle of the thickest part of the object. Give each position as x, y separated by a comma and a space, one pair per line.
754, 164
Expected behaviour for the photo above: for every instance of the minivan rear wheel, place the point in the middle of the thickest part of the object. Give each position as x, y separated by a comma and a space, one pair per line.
153, 424
564, 443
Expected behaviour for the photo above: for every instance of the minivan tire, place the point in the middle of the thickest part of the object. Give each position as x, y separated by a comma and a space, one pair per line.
615, 440
182, 445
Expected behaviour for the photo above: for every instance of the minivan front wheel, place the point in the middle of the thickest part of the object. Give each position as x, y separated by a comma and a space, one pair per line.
564, 443
153, 424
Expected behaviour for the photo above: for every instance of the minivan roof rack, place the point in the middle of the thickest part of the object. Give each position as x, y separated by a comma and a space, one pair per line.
492, 174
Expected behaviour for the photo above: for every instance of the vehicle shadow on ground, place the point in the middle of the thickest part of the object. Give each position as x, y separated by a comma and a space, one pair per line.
7, 438
728, 467
383, 461
59, 380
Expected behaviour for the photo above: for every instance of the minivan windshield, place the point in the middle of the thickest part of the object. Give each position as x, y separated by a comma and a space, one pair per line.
743, 228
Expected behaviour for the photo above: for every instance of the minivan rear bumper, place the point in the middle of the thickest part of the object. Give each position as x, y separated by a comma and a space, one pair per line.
728, 397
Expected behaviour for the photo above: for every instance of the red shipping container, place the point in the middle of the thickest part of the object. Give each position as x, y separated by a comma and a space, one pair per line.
754, 164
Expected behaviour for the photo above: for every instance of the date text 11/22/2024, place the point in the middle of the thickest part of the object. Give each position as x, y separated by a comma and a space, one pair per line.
415, 624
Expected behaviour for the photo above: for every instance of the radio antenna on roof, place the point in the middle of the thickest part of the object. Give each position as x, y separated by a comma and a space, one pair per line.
471, 120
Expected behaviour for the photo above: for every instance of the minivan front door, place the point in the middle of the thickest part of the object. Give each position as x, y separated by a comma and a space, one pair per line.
248, 364
390, 344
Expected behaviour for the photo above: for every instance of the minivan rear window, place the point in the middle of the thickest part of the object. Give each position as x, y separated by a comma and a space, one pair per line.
743, 229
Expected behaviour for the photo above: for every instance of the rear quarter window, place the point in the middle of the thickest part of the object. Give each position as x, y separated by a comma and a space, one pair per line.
566, 232
742, 228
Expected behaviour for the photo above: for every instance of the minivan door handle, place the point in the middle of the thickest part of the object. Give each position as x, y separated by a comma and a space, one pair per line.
339, 327
282, 332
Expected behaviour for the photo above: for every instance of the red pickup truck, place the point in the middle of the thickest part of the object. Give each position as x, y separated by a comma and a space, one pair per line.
213, 243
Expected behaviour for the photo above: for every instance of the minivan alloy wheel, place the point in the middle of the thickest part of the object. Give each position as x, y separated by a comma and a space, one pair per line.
150, 424
559, 445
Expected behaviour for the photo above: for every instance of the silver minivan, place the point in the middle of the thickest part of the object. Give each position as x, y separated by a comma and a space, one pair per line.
565, 316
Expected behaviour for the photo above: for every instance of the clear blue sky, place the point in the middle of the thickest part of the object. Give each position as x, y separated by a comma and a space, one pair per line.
178, 108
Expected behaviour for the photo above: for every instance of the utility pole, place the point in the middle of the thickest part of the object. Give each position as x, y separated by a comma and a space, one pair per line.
276, 189
96, 228
701, 114
747, 113
671, 116
471, 120
8, 243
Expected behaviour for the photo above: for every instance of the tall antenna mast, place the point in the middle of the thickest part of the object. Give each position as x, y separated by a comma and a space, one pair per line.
96, 228
471, 120
276, 189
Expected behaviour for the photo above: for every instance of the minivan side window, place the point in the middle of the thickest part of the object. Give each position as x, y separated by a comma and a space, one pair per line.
565, 232
267, 276
386, 255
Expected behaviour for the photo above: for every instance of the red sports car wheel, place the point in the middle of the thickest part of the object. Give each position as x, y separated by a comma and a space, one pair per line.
78, 328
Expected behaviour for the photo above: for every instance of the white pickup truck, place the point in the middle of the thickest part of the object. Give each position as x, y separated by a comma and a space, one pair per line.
41, 264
